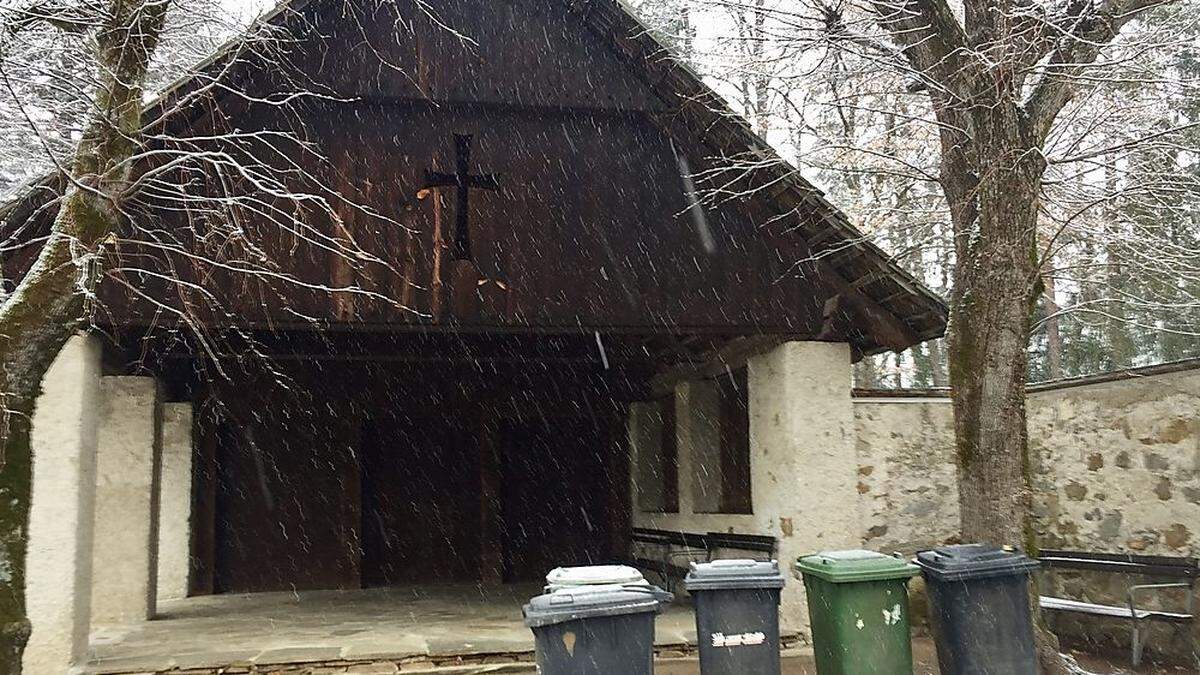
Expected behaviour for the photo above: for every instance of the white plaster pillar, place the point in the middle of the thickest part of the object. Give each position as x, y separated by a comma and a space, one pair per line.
175, 502
59, 559
803, 464
125, 547
698, 434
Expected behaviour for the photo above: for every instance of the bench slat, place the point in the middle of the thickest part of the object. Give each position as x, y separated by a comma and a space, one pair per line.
1080, 607
745, 542
1170, 561
647, 535
1065, 605
1123, 563
1120, 567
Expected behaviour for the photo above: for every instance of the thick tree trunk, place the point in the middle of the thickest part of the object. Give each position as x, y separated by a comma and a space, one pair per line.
35, 322
996, 285
990, 319
15, 482
49, 303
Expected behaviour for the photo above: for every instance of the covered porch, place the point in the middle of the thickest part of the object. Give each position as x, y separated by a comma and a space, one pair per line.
403, 501
414, 627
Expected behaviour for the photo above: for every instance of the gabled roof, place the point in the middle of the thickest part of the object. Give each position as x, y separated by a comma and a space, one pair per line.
870, 281
867, 284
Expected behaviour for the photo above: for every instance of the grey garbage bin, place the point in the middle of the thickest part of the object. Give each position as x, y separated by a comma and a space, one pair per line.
595, 629
979, 609
737, 615
594, 575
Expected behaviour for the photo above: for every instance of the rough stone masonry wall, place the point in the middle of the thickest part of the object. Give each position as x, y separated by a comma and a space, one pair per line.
906, 477
1116, 467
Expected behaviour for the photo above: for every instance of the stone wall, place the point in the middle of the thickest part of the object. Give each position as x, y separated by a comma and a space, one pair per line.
906, 478
1117, 464
1116, 467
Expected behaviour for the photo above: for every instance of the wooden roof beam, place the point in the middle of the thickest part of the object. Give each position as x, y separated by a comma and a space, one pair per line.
732, 354
883, 327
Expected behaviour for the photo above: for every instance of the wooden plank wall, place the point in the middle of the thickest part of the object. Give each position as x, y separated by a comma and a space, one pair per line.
360, 475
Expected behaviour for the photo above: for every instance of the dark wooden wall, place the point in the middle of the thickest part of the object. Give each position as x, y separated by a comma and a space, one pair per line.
340, 476
592, 226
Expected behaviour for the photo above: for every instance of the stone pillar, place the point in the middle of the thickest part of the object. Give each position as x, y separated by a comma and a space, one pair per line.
697, 427
59, 562
803, 464
175, 502
123, 555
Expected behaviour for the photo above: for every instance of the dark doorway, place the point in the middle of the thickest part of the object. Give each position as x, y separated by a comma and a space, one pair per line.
397, 475
285, 503
419, 478
554, 495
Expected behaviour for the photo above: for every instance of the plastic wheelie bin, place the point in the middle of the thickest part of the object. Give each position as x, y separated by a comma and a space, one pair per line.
737, 615
858, 611
594, 575
979, 609
595, 629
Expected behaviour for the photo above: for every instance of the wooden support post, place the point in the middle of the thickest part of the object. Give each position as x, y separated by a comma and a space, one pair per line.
491, 552
464, 290
619, 486
204, 500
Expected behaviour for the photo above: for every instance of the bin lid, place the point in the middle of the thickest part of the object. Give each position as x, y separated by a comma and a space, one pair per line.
592, 575
841, 567
583, 602
733, 574
974, 561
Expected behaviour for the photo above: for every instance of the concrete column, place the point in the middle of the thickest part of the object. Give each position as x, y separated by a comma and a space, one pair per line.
124, 553
175, 502
698, 422
59, 563
802, 446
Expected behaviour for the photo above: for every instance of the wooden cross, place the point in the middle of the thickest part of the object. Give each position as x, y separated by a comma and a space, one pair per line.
463, 181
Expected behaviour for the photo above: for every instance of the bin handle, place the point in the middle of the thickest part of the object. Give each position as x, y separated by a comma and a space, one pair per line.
658, 593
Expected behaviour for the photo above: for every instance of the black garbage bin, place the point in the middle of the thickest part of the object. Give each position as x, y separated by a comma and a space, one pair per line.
596, 629
979, 609
737, 615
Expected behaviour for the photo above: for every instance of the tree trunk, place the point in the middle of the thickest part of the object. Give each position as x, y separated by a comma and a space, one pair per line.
35, 322
1053, 334
996, 282
48, 304
15, 483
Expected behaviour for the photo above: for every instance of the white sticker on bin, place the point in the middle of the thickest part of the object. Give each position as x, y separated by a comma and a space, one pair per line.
893, 617
738, 639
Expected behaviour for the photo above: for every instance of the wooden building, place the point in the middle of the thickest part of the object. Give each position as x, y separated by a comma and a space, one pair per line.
536, 262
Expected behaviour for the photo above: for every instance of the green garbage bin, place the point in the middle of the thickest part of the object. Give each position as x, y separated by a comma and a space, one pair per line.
858, 611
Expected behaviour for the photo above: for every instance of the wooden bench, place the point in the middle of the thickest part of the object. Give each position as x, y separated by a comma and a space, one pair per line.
676, 550
762, 545
1186, 570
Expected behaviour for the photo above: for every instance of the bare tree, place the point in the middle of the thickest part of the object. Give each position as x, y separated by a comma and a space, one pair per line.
1013, 110
109, 169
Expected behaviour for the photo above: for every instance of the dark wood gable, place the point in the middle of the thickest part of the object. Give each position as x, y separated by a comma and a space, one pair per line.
592, 226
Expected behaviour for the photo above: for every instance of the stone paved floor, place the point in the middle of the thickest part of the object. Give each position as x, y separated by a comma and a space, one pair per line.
420, 624
418, 628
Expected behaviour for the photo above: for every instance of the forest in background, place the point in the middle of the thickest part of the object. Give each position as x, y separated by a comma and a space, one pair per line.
1119, 227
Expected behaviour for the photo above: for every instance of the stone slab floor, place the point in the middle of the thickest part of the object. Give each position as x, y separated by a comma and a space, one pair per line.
433, 625
442, 630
